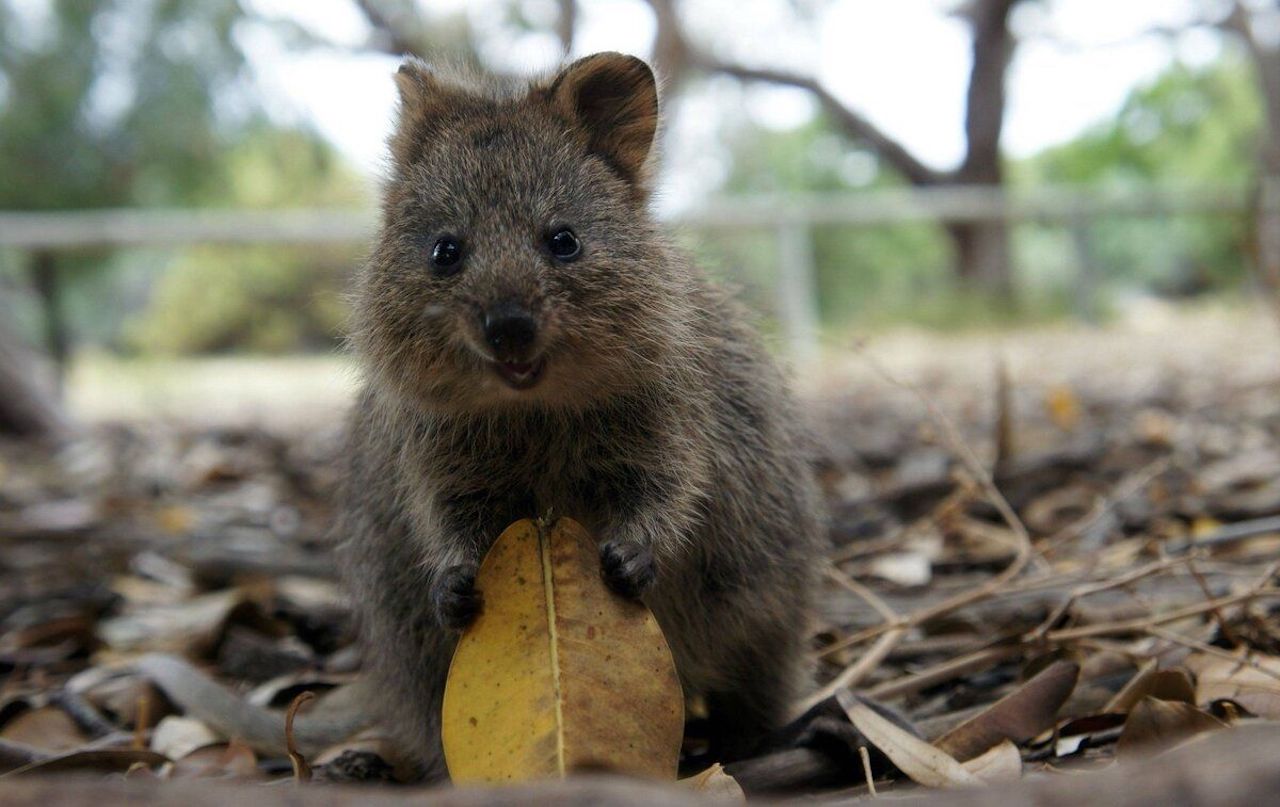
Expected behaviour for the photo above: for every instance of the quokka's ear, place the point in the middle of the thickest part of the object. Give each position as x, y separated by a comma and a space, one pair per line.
426, 105
614, 100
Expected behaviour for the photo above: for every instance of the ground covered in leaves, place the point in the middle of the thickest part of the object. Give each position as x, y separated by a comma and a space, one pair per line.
1045, 558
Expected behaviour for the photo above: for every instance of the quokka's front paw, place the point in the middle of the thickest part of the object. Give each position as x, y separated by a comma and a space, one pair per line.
628, 567
456, 600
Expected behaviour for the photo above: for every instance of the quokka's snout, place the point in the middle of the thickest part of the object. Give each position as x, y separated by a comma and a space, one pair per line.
511, 331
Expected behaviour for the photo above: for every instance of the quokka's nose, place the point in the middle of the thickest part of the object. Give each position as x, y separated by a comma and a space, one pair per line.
509, 328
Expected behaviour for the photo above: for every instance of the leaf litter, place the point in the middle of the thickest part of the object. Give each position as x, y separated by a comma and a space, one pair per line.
1069, 574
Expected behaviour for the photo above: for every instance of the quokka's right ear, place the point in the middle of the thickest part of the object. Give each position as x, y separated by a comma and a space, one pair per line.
614, 100
426, 104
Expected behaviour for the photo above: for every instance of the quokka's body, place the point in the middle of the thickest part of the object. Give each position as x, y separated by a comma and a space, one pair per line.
533, 343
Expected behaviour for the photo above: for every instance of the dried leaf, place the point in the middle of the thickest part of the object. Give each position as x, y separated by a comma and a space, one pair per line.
45, 727
233, 760
192, 624
1018, 716
1063, 406
177, 737
1251, 688
923, 763
102, 759
1165, 685
1002, 763
1154, 725
715, 783
557, 674
301, 770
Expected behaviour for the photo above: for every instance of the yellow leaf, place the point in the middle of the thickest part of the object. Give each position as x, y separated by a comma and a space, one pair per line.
1063, 406
557, 674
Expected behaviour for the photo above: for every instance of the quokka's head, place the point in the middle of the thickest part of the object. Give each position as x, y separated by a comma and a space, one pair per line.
517, 263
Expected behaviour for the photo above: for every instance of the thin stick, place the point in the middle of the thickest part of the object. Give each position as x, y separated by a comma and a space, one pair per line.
1227, 633
943, 672
1127, 487
1142, 625
866, 770
975, 468
141, 721
1210, 650
301, 770
1105, 585
837, 576
855, 673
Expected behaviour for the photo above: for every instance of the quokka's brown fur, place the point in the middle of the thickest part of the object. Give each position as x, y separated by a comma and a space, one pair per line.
654, 416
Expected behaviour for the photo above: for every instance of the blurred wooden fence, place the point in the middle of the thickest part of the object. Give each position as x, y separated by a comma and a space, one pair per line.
791, 217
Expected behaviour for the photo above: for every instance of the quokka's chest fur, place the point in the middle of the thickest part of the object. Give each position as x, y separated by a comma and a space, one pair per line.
593, 465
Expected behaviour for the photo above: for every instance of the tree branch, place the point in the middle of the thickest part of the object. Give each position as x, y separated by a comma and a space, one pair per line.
567, 24
850, 121
390, 35
674, 53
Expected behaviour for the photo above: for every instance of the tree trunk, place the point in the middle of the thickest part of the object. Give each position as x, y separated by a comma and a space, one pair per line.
47, 281
982, 260
1266, 63
982, 257
28, 407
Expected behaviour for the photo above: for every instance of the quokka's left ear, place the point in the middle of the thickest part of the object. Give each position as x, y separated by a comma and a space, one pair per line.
613, 98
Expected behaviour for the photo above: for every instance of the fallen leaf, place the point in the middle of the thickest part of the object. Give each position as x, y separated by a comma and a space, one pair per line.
1251, 688
177, 737
922, 762
101, 759
233, 760
907, 569
1165, 685
1002, 763
715, 783
1018, 716
44, 727
557, 674
120, 694
1063, 406
1155, 725
191, 624
1068, 738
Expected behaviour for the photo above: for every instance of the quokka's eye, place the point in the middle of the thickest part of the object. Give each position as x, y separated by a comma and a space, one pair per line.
446, 256
564, 245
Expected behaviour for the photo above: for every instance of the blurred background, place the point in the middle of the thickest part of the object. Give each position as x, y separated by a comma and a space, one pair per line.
1022, 258
187, 185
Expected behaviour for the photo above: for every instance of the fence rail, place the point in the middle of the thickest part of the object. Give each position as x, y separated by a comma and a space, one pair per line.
168, 227
791, 217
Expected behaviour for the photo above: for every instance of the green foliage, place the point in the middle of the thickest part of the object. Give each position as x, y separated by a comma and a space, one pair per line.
114, 102
860, 272
256, 299
1189, 126
121, 103
272, 300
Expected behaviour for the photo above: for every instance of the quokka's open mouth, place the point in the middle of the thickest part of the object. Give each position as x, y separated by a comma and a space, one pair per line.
520, 375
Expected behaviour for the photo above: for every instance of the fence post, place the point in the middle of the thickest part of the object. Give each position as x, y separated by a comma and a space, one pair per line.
1086, 257
797, 293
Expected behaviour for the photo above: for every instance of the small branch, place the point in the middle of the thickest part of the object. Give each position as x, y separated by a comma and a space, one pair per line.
1210, 650
390, 36
676, 52
1143, 625
944, 671
566, 24
1106, 585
